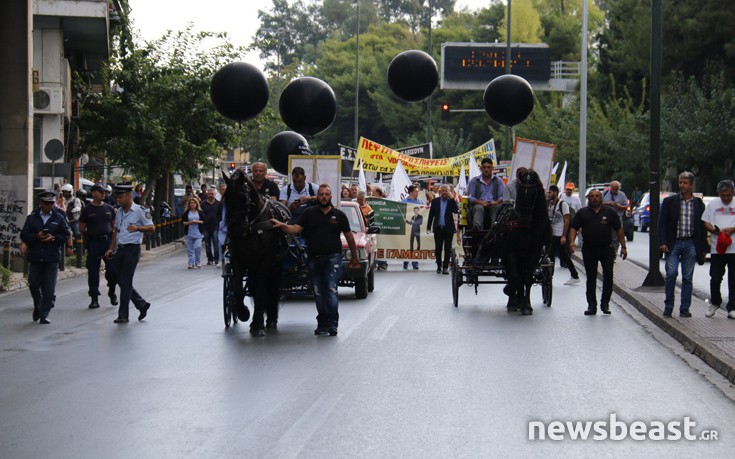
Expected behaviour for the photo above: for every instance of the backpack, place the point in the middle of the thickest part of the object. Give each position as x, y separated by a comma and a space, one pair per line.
72, 214
288, 190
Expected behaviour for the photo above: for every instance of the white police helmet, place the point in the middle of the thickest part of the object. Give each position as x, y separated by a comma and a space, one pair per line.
67, 187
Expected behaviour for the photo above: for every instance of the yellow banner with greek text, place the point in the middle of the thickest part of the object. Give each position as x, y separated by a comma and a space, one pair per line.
379, 158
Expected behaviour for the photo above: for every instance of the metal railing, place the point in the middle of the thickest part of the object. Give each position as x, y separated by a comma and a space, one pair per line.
565, 69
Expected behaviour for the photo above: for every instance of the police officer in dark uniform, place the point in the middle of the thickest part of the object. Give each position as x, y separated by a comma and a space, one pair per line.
131, 221
45, 232
96, 224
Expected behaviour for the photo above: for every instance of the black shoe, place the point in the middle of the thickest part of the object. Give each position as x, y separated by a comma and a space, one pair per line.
605, 309
121, 320
320, 331
445, 271
685, 314
438, 270
94, 304
113, 298
44, 321
590, 312
143, 311
271, 325
36, 316
332, 331
667, 313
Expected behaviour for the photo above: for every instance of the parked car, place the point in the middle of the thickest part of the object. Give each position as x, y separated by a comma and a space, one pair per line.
642, 213
362, 278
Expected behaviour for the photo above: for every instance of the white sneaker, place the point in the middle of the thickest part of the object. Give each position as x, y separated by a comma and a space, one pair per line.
712, 309
572, 281
731, 314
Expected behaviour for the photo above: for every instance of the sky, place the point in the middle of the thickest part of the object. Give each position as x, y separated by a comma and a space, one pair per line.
239, 18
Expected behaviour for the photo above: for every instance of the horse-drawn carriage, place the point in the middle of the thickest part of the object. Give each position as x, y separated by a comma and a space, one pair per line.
514, 251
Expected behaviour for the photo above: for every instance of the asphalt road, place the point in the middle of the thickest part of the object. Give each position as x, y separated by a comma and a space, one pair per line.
408, 375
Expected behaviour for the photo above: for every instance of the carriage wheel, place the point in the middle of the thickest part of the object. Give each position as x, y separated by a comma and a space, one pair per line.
227, 298
546, 286
456, 279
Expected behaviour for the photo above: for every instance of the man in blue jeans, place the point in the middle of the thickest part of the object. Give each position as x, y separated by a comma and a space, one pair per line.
321, 226
683, 240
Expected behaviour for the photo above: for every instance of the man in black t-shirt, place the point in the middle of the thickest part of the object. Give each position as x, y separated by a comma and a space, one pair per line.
212, 212
265, 187
321, 226
597, 223
95, 223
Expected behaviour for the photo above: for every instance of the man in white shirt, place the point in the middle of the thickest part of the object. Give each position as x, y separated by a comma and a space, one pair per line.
719, 217
299, 194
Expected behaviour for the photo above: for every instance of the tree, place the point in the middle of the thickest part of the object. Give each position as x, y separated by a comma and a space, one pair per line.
160, 119
525, 25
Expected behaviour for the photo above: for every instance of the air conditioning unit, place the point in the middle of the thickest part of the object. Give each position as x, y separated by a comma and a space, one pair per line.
48, 101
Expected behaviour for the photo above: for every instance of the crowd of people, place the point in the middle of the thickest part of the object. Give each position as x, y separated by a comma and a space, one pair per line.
113, 227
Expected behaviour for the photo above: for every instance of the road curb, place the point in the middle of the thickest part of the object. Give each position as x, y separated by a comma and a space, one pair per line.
692, 341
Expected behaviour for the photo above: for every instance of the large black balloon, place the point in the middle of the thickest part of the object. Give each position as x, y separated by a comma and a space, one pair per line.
284, 144
508, 99
413, 75
308, 105
239, 91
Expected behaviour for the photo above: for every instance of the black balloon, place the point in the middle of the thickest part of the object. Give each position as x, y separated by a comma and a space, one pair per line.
508, 99
308, 105
413, 75
239, 91
284, 144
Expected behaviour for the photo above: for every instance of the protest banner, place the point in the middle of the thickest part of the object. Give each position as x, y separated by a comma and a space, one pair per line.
379, 158
397, 222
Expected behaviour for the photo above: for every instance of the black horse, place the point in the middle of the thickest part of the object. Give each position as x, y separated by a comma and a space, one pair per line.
521, 234
255, 248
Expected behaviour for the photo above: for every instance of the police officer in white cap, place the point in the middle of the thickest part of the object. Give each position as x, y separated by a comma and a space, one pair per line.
131, 221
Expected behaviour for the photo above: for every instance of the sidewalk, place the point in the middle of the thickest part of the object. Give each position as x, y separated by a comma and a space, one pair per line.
17, 281
710, 338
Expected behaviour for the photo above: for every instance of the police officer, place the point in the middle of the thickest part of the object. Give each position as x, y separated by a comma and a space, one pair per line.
95, 223
45, 232
131, 220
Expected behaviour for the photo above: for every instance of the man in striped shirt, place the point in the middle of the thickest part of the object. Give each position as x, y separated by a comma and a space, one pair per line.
683, 241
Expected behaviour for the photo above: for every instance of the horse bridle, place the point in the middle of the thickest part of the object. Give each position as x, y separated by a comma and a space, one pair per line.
256, 225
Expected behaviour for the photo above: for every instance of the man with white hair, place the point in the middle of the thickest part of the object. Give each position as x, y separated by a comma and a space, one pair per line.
617, 201
441, 221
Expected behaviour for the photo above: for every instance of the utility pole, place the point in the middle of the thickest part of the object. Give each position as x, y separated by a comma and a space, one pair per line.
507, 71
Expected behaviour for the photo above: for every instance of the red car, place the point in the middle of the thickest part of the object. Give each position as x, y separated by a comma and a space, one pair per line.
362, 278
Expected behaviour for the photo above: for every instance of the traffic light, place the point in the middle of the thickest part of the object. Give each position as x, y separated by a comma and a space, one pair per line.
233, 166
446, 109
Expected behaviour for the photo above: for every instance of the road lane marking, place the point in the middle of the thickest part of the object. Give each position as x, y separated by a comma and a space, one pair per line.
293, 441
383, 329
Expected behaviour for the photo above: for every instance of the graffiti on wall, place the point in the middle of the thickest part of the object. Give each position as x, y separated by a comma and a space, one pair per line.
13, 210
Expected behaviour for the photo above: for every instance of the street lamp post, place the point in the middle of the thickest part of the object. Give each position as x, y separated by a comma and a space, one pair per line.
357, 70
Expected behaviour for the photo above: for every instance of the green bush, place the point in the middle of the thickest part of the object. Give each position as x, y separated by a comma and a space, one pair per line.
4, 278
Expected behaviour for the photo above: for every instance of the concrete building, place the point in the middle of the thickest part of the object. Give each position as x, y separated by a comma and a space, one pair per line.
42, 43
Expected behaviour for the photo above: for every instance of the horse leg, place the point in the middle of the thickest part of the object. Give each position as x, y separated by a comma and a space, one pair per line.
511, 288
259, 289
273, 294
243, 313
529, 268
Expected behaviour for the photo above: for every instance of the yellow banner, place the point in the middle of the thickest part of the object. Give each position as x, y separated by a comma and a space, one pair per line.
379, 158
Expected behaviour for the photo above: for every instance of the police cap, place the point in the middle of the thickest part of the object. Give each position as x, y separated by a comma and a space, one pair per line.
47, 196
123, 188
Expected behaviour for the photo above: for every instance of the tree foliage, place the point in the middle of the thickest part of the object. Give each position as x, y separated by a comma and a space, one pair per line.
158, 117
